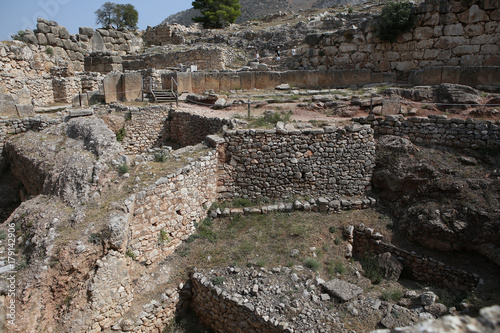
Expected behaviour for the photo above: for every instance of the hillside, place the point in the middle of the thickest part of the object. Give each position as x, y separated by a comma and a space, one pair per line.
251, 9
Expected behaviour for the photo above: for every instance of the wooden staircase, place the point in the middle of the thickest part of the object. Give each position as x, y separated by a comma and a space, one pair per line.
164, 96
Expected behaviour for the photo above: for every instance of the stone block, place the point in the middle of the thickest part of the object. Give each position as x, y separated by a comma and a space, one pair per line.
42, 40
247, 80
132, 86
113, 87
63, 32
341, 289
43, 28
97, 43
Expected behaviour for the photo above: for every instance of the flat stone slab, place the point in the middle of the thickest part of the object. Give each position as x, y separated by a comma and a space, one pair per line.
81, 113
341, 289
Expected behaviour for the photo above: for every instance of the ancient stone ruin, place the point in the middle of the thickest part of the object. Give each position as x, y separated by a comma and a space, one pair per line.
118, 149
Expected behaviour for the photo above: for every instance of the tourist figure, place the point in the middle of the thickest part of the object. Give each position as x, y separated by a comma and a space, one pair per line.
294, 51
278, 57
257, 56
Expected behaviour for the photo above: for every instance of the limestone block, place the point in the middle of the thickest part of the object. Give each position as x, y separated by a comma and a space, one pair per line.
472, 15
132, 86
453, 30
7, 105
493, 61
348, 47
423, 33
474, 29
43, 28
471, 60
63, 32
42, 40
89, 32
113, 87
465, 50
341, 289
51, 39
97, 43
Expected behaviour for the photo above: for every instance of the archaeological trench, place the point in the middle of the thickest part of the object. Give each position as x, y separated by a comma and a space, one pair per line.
105, 189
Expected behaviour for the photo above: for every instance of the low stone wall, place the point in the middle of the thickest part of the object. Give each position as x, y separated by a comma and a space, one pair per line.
147, 128
188, 129
155, 126
165, 213
28, 90
217, 310
421, 268
438, 129
282, 164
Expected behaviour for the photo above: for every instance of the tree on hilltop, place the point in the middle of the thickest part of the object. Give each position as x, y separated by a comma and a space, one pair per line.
121, 16
217, 13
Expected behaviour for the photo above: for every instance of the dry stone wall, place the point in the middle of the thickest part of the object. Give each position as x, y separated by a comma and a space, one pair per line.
365, 240
438, 129
455, 33
165, 213
283, 164
154, 127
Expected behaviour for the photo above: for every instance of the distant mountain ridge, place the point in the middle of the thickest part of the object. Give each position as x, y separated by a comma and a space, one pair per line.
251, 9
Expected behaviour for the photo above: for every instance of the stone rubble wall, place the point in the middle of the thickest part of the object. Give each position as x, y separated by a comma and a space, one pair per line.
170, 208
282, 164
28, 90
205, 58
447, 34
165, 34
147, 128
154, 127
424, 269
219, 311
438, 129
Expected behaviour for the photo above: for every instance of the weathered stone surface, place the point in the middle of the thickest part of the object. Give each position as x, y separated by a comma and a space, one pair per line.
341, 289
132, 86
454, 95
97, 43
113, 87
390, 267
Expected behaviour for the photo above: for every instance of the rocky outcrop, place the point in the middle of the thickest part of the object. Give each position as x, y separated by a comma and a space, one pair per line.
65, 160
488, 321
441, 199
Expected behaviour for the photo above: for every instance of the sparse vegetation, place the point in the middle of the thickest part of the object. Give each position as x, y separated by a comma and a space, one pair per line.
312, 263
161, 157
130, 254
163, 238
270, 120
392, 295
19, 35
218, 280
371, 268
123, 169
120, 134
95, 238
49, 50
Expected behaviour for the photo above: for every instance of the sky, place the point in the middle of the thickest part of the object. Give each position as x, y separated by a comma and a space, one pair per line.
18, 15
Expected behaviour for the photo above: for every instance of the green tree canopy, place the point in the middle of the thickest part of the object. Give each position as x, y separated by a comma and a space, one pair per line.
216, 13
121, 16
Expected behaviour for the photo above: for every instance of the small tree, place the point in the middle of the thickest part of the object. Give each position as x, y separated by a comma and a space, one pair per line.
217, 13
121, 16
126, 16
397, 18
105, 14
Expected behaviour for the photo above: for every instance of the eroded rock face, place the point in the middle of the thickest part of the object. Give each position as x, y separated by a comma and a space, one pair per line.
443, 199
487, 322
65, 160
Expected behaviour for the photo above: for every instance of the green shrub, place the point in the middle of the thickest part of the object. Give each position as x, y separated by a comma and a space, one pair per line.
243, 202
130, 253
397, 18
163, 237
332, 229
95, 238
312, 264
394, 295
160, 157
218, 280
49, 50
120, 134
19, 35
371, 269
337, 240
123, 169
339, 267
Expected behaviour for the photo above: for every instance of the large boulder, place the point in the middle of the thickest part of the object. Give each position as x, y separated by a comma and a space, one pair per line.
341, 289
390, 267
457, 96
